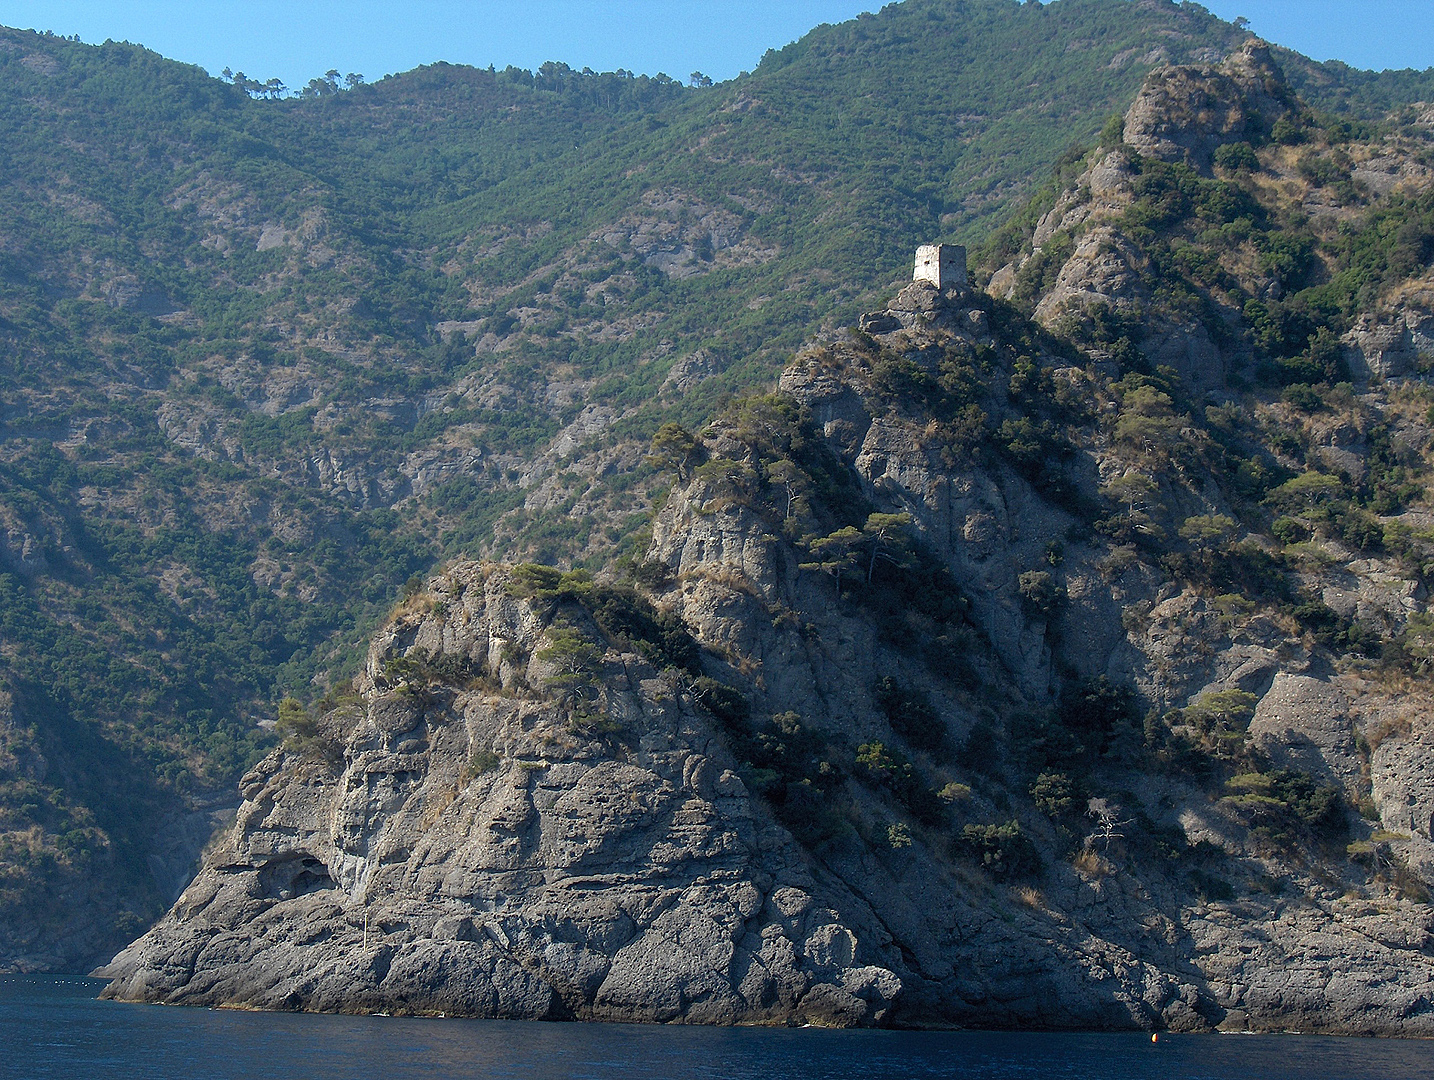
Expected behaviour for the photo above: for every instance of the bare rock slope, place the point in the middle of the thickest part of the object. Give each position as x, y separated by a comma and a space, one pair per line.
481, 852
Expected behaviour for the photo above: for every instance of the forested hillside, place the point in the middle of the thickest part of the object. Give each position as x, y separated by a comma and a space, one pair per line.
262, 362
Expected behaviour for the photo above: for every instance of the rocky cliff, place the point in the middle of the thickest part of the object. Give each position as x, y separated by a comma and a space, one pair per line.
1052, 655
545, 802
455, 841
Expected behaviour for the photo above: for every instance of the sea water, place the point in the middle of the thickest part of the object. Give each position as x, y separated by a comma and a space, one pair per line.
55, 1027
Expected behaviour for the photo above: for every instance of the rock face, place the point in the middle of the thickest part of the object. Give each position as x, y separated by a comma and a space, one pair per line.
468, 852
440, 850
1304, 723
1184, 113
1097, 946
1391, 347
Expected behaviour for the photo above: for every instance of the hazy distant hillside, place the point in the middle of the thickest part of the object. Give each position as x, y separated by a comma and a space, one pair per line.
262, 362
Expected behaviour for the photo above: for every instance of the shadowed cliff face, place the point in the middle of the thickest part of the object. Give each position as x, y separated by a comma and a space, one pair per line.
498, 850
1221, 880
477, 833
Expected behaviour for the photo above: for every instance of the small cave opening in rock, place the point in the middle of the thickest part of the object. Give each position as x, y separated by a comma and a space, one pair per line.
295, 875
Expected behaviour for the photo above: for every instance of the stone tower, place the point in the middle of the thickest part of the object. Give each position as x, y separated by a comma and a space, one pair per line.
944, 265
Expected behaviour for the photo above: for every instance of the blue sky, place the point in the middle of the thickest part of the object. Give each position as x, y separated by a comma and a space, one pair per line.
298, 39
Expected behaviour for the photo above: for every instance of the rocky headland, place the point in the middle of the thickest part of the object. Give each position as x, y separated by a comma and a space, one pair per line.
880, 772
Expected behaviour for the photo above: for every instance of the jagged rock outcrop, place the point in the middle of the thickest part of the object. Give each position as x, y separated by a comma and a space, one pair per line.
471, 852
1183, 113
987, 525
630, 878
1392, 345
1305, 956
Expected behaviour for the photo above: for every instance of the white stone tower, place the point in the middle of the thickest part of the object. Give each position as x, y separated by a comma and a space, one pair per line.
944, 265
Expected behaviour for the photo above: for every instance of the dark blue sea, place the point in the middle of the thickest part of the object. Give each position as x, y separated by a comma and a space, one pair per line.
54, 1027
